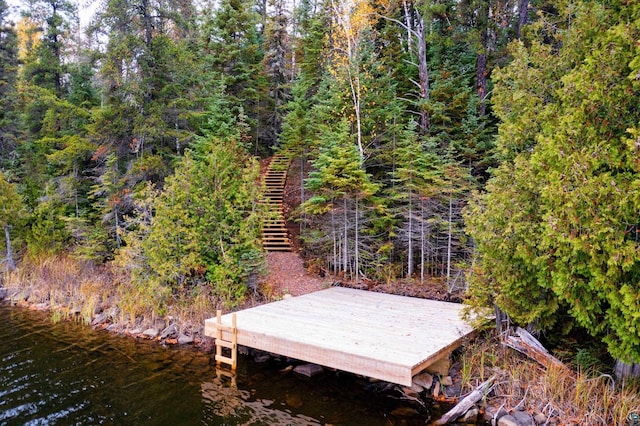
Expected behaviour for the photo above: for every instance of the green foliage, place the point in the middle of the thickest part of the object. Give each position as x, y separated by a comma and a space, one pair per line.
48, 234
557, 227
206, 226
9, 121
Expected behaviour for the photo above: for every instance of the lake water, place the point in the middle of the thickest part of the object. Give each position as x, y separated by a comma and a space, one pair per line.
66, 373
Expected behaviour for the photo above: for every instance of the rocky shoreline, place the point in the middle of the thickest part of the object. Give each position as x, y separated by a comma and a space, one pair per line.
429, 386
163, 331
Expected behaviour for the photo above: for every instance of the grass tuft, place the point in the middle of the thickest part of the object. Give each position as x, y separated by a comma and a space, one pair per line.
580, 397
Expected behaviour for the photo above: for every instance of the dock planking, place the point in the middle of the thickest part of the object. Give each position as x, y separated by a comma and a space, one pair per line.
384, 336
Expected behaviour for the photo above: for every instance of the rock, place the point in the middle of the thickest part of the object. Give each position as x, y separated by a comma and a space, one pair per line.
294, 401
492, 413
410, 392
100, 319
4, 293
168, 332
286, 370
471, 416
44, 306
136, 331
424, 380
112, 328
404, 412
523, 418
184, 339
453, 390
308, 370
508, 420
21, 296
539, 418
261, 357
416, 388
446, 381
151, 333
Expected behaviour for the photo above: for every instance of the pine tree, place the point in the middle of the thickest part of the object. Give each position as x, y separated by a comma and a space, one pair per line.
9, 122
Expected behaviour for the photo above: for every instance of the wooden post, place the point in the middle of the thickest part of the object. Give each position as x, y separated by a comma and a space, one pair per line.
220, 343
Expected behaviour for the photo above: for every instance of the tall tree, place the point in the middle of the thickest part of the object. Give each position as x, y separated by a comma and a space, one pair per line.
10, 214
276, 67
571, 230
9, 121
48, 68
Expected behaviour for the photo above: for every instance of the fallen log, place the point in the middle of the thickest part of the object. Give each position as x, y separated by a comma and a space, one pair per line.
467, 402
525, 343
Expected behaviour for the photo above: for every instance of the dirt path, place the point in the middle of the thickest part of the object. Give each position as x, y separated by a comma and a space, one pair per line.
286, 271
287, 275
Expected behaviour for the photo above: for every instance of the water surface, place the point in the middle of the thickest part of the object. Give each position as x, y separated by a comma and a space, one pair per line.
66, 373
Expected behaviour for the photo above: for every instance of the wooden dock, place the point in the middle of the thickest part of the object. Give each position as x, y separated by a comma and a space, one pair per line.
377, 335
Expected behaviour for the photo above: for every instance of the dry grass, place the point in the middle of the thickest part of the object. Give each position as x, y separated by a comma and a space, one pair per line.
581, 398
72, 289
68, 287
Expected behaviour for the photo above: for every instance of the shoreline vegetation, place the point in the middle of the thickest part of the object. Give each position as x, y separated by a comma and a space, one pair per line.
523, 391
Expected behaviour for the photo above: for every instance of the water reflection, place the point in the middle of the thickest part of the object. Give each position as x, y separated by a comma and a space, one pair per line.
224, 401
70, 374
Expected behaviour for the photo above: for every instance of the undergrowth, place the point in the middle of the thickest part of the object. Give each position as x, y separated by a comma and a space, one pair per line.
72, 289
582, 397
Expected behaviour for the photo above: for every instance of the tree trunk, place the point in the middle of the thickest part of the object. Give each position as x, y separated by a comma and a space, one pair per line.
356, 249
627, 371
345, 264
481, 83
423, 74
422, 243
449, 237
11, 263
336, 255
410, 236
523, 15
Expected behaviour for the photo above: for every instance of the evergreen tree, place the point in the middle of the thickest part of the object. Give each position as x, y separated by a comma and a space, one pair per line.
11, 211
569, 233
206, 228
47, 69
234, 53
9, 121
276, 68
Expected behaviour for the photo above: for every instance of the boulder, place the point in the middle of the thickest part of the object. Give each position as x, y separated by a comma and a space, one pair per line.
261, 357
184, 339
168, 332
523, 418
453, 390
492, 413
508, 420
151, 333
539, 418
308, 370
424, 380
471, 416
100, 319
410, 392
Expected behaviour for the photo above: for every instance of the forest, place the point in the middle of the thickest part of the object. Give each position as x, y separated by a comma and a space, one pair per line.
490, 145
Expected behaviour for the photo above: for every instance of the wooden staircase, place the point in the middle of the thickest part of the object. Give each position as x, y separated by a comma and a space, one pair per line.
274, 230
